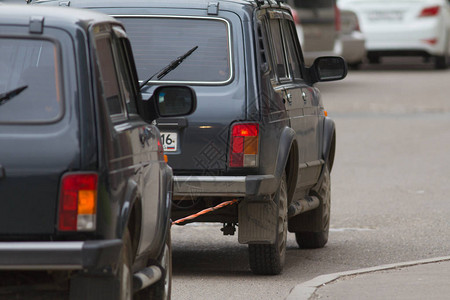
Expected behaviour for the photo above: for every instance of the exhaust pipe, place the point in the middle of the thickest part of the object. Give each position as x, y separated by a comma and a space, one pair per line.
303, 205
146, 277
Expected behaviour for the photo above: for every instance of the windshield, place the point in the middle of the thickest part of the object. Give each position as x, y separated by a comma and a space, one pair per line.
157, 41
28, 63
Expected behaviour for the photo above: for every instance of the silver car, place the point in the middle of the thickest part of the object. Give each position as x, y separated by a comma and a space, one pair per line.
352, 39
320, 23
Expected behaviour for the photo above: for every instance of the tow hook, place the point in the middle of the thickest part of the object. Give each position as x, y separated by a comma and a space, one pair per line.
228, 228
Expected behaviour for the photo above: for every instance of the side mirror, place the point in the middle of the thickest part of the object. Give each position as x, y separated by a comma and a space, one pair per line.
174, 101
328, 68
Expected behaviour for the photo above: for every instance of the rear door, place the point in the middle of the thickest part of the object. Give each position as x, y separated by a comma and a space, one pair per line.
129, 143
306, 125
38, 128
298, 96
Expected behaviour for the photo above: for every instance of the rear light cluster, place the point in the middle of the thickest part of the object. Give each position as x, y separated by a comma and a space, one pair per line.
295, 16
244, 145
430, 11
78, 202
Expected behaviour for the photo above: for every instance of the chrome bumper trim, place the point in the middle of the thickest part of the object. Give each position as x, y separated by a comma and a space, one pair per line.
232, 186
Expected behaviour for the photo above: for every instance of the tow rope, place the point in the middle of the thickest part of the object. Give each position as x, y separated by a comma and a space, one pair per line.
205, 211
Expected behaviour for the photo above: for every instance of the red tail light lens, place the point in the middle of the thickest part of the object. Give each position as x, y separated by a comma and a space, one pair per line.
430, 11
295, 16
244, 145
78, 202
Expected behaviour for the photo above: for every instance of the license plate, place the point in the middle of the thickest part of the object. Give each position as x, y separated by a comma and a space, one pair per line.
385, 16
169, 141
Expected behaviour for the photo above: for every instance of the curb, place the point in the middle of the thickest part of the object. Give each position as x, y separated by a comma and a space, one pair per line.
305, 290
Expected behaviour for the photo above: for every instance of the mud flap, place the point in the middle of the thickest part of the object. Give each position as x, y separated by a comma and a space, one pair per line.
257, 222
94, 288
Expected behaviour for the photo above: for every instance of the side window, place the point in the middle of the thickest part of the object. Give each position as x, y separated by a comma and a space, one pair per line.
292, 52
124, 72
109, 76
278, 49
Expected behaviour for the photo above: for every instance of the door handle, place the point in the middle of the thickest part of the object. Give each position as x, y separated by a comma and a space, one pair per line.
289, 98
304, 97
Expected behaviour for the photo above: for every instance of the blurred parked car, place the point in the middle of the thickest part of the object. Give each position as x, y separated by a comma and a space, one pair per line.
352, 39
404, 28
320, 21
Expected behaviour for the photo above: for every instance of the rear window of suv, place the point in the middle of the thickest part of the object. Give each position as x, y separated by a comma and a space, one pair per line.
157, 41
29, 86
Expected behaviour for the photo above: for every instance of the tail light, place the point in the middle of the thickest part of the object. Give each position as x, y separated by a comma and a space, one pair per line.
78, 202
337, 18
357, 27
430, 11
295, 16
432, 41
244, 145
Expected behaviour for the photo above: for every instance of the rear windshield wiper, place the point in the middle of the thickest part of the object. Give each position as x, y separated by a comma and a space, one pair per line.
170, 67
4, 97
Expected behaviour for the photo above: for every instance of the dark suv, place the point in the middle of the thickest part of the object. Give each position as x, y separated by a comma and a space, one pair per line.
259, 136
85, 192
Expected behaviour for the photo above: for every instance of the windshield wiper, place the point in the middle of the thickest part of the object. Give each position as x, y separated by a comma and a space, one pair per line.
4, 97
170, 67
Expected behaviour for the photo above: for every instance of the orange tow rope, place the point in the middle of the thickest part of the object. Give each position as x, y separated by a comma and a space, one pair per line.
207, 210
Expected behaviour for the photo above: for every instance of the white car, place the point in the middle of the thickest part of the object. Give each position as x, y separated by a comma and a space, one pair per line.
404, 28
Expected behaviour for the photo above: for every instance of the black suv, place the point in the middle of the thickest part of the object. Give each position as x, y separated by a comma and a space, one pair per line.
259, 136
85, 192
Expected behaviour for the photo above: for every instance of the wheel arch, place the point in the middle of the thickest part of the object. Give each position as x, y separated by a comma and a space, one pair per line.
285, 160
329, 142
291, 169
130, 215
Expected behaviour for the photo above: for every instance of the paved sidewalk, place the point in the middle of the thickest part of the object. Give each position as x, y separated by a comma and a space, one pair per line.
423, 279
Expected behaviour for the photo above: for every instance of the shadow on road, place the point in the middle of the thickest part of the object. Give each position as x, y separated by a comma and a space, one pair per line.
399, 64
223, 261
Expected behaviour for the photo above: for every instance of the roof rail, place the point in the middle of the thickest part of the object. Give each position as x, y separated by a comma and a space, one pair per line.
261, 2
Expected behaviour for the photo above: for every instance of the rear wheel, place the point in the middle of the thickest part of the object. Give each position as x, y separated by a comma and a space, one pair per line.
440, 62
373, 59
354, 65
319, 216
268, 259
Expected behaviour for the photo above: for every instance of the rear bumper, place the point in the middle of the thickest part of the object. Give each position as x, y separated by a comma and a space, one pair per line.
353, 47
75, 255
225, 186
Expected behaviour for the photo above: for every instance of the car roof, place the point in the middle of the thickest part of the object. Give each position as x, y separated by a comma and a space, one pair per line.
16, 14
143, 3
196, 4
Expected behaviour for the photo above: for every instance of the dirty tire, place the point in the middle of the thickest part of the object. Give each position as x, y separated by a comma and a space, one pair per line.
440, 62
123, 273
268, 259
320, 216
161, 290
354, 65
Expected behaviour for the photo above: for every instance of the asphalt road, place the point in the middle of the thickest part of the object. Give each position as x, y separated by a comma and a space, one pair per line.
390, 190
